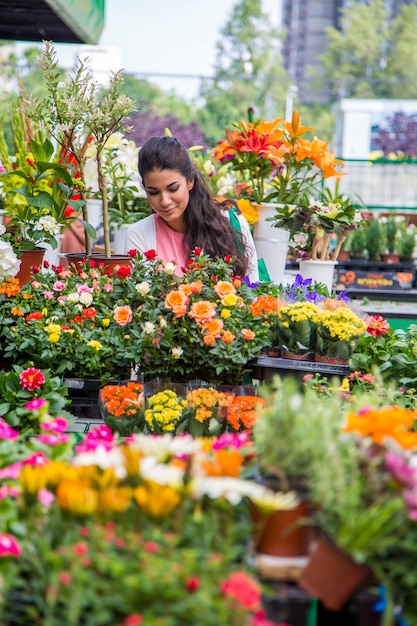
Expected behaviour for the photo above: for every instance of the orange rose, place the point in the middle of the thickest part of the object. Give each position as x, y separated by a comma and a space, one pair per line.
177, 301
228, 337
212, 327
247, 334
223, 288
123, 315
202, 311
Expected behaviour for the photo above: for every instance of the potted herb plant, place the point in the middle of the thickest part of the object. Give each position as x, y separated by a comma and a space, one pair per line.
389, 236
356, 244
374, 240
406, 241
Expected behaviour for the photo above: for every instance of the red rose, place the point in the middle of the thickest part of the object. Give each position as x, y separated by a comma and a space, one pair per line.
149, 255
132, 253
123, 272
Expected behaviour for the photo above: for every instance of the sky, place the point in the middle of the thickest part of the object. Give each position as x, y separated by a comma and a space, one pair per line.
165, 37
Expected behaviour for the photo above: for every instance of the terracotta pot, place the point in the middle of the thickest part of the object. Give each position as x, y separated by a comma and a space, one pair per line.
28, 260
308, 356
277, 534
331, 575
390, 258
109, 263
331, 360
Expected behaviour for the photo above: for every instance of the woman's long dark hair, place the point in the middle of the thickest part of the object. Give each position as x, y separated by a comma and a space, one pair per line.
206, 226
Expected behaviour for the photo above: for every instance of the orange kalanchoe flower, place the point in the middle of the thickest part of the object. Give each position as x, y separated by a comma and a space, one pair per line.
242, 412
120, 400
10, 287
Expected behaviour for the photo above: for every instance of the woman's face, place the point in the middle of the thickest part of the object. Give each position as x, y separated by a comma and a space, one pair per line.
168, 193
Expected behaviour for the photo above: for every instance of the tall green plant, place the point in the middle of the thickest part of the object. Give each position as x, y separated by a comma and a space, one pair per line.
74, 114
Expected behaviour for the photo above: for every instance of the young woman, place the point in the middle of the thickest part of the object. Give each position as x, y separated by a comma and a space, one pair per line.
185, 214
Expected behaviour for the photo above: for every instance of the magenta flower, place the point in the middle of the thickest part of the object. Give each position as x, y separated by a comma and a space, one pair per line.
52, 440
55, 425
45, 497
35, 404
59, 286
38, 458
11, 471
6, 490
401, 470
9, 546
6, 431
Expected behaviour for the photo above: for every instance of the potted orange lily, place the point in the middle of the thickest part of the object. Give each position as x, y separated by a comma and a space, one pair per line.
275, 163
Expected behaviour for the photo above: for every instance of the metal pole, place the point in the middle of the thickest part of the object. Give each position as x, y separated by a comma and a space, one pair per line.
291, 94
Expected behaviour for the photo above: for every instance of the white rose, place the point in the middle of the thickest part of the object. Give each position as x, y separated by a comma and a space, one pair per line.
177, 352
143, 288
170, 268
86, 298
148, 328
73, 298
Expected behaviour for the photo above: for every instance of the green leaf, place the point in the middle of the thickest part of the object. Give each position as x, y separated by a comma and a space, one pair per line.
88, 228
43, 200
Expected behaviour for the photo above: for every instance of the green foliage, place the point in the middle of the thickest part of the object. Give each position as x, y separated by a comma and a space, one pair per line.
14, 396
389, 235
373, 240
356, 242
365, 59
248, 72
394, 354
288, 434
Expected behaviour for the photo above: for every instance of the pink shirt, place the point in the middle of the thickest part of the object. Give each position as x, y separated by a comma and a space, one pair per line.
169, 245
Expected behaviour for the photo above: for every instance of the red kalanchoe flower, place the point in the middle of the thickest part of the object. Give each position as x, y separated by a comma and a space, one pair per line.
377, 326
149, 255
31, 378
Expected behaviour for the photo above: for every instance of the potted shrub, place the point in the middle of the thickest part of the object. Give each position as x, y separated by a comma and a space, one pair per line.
406, 241
284, 461
389, 228
38, 190
374, 240
76, 115
359, 511
356, 244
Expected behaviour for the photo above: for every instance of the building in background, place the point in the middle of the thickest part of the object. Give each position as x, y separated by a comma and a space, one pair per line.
305, 23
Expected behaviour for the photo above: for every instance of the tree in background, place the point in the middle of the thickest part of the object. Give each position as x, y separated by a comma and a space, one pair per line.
375, 54
150, 122
248, 73
398, 136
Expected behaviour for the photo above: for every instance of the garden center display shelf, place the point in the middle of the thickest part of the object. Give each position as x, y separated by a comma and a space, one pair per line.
265, 367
